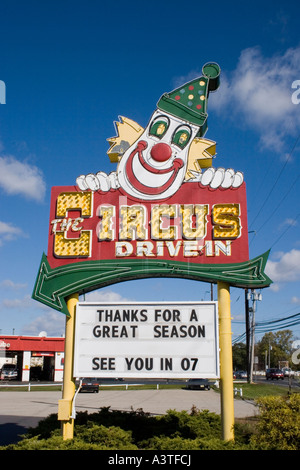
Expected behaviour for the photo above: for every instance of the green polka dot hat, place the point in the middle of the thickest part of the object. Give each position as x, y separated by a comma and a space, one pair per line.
189, 102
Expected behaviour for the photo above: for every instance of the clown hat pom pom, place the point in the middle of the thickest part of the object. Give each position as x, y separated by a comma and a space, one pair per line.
212, 71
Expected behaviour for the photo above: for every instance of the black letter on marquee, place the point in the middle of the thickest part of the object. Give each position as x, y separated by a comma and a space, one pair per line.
193, 315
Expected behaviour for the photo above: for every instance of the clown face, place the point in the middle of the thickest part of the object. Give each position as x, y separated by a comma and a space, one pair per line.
155, 165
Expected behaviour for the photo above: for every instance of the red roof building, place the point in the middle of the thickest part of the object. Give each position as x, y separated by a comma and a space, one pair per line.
21, 349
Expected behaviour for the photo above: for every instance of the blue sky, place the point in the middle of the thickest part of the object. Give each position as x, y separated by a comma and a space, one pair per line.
71, 68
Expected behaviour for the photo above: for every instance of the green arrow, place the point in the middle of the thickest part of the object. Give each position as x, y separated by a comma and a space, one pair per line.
53, 286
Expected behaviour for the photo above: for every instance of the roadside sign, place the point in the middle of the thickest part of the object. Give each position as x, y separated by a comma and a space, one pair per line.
164, 211
146, 340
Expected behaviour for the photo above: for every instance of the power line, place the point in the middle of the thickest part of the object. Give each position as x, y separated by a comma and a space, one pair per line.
278, 205
266, 326
278, 320
276, 181
280, 236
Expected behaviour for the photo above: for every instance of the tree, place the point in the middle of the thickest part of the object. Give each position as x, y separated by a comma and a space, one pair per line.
239, 356
276, 347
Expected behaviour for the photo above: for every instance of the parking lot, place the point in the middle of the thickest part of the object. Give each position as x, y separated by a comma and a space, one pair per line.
20, 410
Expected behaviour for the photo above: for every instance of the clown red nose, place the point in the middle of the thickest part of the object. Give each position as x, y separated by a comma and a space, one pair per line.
161, 152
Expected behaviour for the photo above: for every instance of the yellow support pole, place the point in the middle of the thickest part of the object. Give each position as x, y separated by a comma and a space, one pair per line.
65, 404
226, 370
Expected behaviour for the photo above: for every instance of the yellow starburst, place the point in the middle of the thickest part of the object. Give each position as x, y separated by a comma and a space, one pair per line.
200, 156
128, 132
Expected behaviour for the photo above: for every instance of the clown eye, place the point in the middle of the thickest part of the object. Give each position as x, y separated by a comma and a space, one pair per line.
159, 127
181, 136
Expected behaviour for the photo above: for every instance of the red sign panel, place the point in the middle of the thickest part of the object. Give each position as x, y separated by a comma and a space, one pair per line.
197, 224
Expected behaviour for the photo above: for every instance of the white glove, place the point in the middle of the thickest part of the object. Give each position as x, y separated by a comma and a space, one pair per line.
220, 177
101, 181
212, 177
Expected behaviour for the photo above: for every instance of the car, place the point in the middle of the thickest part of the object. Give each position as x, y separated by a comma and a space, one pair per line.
9, 371
89, 385
198, 384
241, 374
288, 372
274, 374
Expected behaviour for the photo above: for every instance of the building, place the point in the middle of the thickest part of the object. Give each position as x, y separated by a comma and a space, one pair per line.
35, 357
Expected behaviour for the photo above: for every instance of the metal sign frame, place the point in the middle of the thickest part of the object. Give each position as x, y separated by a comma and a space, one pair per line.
147, 340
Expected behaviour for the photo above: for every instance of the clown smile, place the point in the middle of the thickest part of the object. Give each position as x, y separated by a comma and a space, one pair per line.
156, 180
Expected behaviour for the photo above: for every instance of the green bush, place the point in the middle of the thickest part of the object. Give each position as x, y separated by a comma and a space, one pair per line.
277, 427
89, 437
279, 423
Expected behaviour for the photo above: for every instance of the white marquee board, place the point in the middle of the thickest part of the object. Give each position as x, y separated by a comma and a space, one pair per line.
146, 340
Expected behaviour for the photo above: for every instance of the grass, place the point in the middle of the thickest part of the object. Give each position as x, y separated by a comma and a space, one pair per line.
249, 391
33, 388
143, 387
257, 390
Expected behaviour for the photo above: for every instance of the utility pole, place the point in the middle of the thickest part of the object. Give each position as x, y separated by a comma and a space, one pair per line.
247, 322
254, 297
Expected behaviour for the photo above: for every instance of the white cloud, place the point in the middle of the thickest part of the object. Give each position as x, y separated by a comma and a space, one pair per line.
8, 284
104, 296
21, 178
259, 92
275, 287
292, 222
18, 303
9, 232
52, 322
286, 269
289, 222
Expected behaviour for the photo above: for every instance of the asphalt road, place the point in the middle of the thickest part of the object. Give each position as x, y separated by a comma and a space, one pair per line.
20, 410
